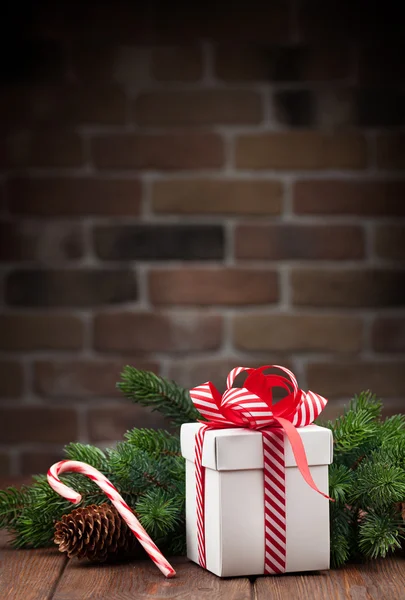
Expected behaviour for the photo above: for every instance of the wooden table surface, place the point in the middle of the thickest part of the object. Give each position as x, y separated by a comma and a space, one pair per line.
46, 574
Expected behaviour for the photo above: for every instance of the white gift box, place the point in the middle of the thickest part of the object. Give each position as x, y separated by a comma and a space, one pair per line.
234, 501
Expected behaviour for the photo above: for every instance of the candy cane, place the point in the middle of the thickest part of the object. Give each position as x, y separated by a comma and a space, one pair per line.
111, 493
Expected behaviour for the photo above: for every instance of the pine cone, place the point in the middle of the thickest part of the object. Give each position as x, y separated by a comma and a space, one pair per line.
95, 532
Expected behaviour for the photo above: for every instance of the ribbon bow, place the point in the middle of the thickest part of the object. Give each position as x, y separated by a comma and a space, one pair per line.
252, 407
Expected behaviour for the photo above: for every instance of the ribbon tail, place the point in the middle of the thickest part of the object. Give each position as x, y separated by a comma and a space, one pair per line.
299, 454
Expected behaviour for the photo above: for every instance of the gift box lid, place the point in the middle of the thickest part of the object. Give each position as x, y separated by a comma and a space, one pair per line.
240, 449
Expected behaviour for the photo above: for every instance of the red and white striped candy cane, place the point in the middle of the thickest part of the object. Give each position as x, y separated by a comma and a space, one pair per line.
112, 493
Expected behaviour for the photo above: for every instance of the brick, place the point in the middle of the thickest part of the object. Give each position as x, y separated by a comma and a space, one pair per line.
50, 242
296, 108
267, 25
189, 373
102, 62
349, 378
150, 332
337, 197
35, 60
213, 286
28, 332
330, 22
351, 288
388, 334
41, 149
382, 63
297, 333
68, 104
81, 288
39, 461
380, 107
391, 151
335, 20
300, 150
208, 107
11, 379
38, 424
175, 242
166, 152
335, 108
328, 109
108, 423
217, 196
3, 202
92, 62
281, 63
299, 242
182, 63
389, 242
82, 378
78, 196
131, 65
236, 62
5, 464
270, 24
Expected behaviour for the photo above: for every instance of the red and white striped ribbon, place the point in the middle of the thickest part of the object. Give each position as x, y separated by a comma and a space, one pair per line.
200, 485
112, 493
274, 501
275, 528
252, 407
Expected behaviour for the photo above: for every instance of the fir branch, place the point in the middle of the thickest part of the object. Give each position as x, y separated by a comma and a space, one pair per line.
160, 512
175, 544
340, 483
392, 453
379, 534
358, 426
392, 431
365, 401
377, 485
147, 389
12, 503
340, 519
89, 454
135, 468
157, 443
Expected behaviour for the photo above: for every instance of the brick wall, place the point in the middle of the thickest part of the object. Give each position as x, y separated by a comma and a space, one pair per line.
190, 194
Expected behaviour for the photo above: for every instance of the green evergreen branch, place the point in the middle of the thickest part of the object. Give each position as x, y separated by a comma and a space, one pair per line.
340, 483
358, 426
89, 454
379, 534
340, 520
377, 485
12, 502
155, 443
147, 389
160, 512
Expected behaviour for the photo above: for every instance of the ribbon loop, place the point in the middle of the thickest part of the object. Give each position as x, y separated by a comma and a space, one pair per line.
232, 375
252, 405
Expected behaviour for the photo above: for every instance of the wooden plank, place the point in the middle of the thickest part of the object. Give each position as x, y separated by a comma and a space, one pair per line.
28, 574
141, 579
378, 580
